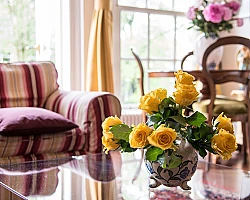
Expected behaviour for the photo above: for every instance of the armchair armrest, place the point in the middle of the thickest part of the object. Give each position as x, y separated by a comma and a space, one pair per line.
87, 110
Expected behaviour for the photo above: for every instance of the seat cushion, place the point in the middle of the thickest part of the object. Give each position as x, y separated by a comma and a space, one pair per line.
29, 120
229, 107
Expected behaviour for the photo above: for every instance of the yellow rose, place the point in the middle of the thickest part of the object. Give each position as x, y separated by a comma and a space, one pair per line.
107, 134
151, 101
224, 143
160, 93
224, 123
109, 144
185, 95
110, 121
163, 138
138, 137
184, 77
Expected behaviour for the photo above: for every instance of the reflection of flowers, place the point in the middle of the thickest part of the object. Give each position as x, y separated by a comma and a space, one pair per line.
213, 17
167, 128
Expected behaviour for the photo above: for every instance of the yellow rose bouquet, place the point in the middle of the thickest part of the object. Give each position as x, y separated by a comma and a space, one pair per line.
167, 127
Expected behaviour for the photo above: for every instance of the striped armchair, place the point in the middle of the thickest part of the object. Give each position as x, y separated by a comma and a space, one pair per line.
34, 84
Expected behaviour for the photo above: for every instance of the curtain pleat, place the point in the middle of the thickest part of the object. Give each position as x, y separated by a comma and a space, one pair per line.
99, 63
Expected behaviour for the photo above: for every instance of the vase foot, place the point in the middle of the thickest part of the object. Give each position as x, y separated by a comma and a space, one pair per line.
185, 186
155, 184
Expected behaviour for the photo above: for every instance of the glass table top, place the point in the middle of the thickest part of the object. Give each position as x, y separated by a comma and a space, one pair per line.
112, 177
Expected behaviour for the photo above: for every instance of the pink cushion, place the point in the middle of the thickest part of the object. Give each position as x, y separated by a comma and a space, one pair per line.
31, 120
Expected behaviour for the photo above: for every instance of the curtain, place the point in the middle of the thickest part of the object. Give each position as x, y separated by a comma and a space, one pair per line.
99, 63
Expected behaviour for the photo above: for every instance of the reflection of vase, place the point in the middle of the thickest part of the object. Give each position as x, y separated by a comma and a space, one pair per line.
202, 43
178, 176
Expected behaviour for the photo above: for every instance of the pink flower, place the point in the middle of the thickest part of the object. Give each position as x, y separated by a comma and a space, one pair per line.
213, 13
191, 13
228, 14
234, 6
240, 22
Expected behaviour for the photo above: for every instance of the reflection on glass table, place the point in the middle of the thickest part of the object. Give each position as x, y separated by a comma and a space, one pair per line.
109, 177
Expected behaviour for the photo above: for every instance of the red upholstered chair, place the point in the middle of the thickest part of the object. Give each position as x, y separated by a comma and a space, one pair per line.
25, 85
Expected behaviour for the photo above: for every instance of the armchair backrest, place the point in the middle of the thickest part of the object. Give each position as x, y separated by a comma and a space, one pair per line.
27, 84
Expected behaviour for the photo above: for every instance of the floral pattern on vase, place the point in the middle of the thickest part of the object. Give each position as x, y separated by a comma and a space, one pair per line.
177, 176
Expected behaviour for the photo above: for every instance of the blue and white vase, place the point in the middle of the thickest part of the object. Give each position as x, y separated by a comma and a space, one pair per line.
178, 176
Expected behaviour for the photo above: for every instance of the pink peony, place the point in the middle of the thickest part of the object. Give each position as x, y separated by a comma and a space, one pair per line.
228, 14
213, 13
234, 6
240, 22
191, 13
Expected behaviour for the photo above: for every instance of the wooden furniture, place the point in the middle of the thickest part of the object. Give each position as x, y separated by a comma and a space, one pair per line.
234, 109
220, 74
141, 79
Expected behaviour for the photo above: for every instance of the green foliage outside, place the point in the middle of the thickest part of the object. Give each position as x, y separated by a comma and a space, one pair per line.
17, 29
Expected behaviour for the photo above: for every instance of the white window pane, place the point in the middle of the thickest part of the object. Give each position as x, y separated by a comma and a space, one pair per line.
130, 88
182, 5
160, 4
183, 39
133, 3
17, 35
161, 65
162, 36
134, 34
165, 82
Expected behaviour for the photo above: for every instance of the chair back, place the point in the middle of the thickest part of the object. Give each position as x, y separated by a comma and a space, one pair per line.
27, 84
185, 57
141, 79
222, 76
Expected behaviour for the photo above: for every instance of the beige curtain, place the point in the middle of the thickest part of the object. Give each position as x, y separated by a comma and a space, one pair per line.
99, 64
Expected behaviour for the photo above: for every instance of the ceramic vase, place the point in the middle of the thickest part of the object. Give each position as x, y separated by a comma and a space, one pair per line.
202, 43
178, 176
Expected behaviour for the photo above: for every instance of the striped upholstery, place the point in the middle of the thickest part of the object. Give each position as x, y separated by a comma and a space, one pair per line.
26, 84
88, 110
29, 184
34, 84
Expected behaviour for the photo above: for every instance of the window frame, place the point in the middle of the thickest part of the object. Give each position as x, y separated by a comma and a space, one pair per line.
117, 9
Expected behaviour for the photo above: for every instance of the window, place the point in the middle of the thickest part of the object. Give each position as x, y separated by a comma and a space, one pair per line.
41, 30
157, 32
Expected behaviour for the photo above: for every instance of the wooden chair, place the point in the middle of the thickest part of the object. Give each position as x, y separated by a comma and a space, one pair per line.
141, 79
185, 57
234, 109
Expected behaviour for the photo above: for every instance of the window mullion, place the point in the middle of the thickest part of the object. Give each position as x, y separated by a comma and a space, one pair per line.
175, 41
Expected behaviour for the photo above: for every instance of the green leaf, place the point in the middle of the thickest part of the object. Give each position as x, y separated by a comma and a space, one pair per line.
125, 146
162, 160
205, 130
202, 152
175, 161
154, 119
152, 153
179, 119
121, 131
196, 119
